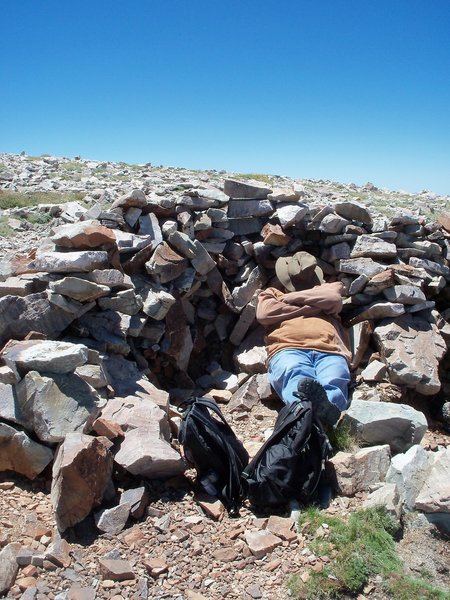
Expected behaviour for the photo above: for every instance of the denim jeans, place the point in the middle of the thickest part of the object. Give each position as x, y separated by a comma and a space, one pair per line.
288, 366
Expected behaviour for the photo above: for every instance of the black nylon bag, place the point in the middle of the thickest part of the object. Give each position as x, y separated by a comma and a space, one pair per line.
288, 466
211, 446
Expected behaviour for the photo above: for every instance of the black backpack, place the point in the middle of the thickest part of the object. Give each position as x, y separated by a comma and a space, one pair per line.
211, 446
289, 464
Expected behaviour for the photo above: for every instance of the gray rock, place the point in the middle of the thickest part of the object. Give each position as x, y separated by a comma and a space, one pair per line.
360, 266
405, 294
353, 212
146, 454
386, 496
398, 425
9, 407
238, 209
412, 348
374, 371
251, 356
8, 566
157, 304
356, 472
280, 195
380, 310
431, 267
240, 189
372, 247
55, 406
291, 214
21, 454
79, 289
134, 198
20, 316
127, 302
434, 496
45, 356
68, 262
106, 327
243, 294
112, 520
332, 223
138, 499
408, 471
250, 394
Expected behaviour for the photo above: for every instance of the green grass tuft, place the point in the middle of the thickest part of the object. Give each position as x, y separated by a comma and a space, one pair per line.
403, 587
342, 439
5, 229
256, 177
361, 547
41, 218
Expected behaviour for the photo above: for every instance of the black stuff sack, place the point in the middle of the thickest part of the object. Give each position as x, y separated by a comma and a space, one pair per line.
212, 447
288, 466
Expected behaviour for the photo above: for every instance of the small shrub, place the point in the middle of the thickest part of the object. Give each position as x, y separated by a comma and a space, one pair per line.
41, 218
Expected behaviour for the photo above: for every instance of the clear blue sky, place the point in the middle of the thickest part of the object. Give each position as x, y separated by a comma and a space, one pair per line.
348, 90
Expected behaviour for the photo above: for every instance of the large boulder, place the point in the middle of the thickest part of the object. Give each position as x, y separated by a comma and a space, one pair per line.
434, 496
412, 348
398, 425
55, 406
357, 472
81, 473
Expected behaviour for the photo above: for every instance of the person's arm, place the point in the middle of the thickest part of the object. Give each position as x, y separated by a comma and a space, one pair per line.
274, 306
327, 297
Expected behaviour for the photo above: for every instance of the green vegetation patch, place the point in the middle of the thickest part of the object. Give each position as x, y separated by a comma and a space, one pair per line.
72, 166
256, 177
342, 439
360, 548
23, 200
5, 229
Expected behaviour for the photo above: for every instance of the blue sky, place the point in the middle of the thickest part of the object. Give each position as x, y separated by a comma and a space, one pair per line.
347, 90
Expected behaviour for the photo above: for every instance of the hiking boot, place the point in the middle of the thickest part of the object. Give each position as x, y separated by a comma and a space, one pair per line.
312, 390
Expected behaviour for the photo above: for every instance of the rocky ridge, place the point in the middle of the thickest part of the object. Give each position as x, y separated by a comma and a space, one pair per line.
143, 292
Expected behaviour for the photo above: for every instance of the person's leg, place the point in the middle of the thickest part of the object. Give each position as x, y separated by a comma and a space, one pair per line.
331, 370
286, 368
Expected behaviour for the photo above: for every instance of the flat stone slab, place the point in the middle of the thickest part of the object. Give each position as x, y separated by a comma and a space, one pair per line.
398, 425
46, 356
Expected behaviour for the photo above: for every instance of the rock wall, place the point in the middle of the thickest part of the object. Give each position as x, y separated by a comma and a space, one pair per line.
137, 302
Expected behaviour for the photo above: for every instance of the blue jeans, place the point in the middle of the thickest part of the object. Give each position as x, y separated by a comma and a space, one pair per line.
288, 366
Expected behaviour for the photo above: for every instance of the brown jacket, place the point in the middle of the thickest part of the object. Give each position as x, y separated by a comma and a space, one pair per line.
307, 319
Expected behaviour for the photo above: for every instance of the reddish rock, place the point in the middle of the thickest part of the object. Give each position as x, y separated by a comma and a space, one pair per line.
83, 235
81, 472
115, 569
156, 566
107, 428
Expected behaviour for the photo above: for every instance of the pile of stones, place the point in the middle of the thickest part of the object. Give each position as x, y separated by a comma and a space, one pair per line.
133, 303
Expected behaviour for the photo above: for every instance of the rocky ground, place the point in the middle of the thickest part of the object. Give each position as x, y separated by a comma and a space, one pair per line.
182, 547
